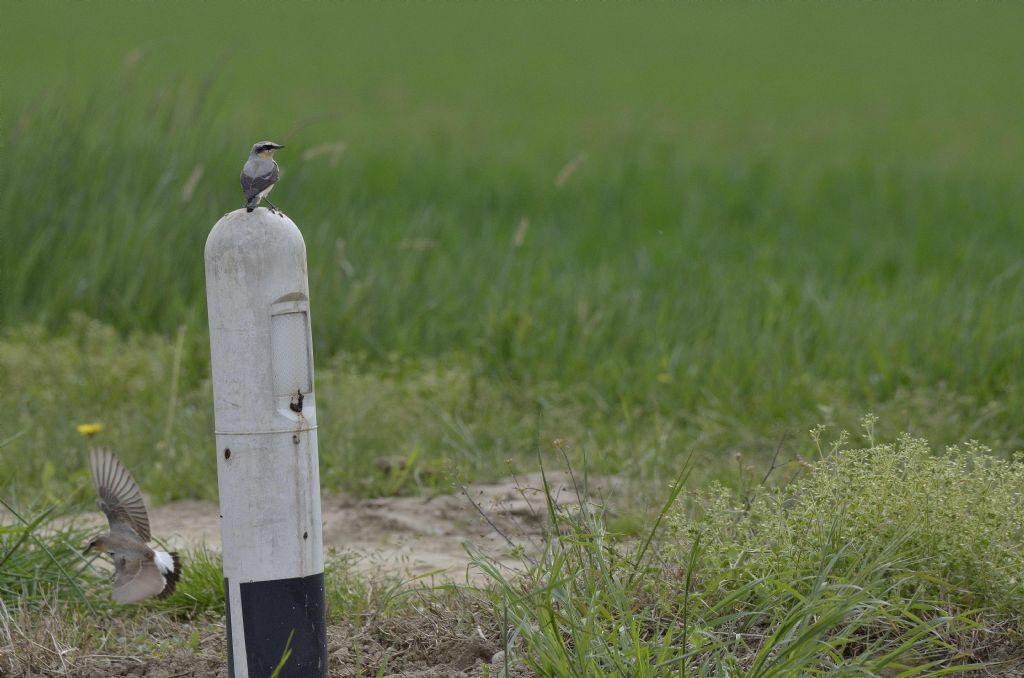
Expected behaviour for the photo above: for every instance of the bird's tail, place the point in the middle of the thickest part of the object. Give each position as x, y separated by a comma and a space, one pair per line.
170, 567
251, 204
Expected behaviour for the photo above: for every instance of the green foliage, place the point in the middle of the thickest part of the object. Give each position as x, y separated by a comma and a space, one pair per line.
399, 425
201, 587
285, 656
91, 374
41, 559
692, 227
805, 580
577, 611
956, 520
394, 427
42, 563
660, 220
881, 561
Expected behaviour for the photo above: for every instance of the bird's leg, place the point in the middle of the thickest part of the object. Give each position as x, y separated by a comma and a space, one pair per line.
272, 208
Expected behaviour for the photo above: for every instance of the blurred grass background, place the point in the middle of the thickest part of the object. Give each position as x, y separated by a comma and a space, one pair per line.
644, 229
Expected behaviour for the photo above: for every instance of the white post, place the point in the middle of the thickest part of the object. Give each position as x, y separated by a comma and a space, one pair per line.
257, 294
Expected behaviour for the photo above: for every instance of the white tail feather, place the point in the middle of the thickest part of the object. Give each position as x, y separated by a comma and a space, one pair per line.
164, 561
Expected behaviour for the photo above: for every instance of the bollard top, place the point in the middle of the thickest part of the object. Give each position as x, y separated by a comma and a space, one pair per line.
257, 230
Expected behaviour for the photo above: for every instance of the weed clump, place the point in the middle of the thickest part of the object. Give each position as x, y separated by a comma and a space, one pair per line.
950, 525
886, 560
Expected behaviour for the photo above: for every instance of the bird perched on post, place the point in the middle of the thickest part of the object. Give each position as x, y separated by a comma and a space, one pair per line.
139, 571
259, 174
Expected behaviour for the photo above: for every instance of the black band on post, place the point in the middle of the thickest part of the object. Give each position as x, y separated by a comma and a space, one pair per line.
271, 612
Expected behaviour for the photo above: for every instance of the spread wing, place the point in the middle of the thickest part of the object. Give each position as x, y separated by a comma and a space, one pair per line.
254, 185
136, 579
119, 496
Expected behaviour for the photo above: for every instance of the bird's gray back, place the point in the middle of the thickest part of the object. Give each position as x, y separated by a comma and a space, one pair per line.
257, 174
126, 544
256, 166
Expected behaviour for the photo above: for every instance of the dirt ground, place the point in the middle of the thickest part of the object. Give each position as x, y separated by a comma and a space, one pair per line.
405, 649
410, 536
404, 537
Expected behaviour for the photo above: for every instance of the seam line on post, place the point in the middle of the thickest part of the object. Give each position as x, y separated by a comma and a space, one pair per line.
264, 433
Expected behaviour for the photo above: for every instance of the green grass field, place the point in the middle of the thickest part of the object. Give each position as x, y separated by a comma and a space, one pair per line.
652, 231
646, 231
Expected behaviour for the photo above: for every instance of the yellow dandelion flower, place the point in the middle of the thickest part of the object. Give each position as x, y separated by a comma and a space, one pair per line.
89, 430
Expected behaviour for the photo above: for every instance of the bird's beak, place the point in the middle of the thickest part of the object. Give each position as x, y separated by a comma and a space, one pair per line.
277, 146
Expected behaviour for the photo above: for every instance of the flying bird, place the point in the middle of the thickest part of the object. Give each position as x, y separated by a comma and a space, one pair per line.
259, 174
139, 571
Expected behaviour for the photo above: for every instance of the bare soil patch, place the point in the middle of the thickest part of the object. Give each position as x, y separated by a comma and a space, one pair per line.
412, 536
405, 647
401, 537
